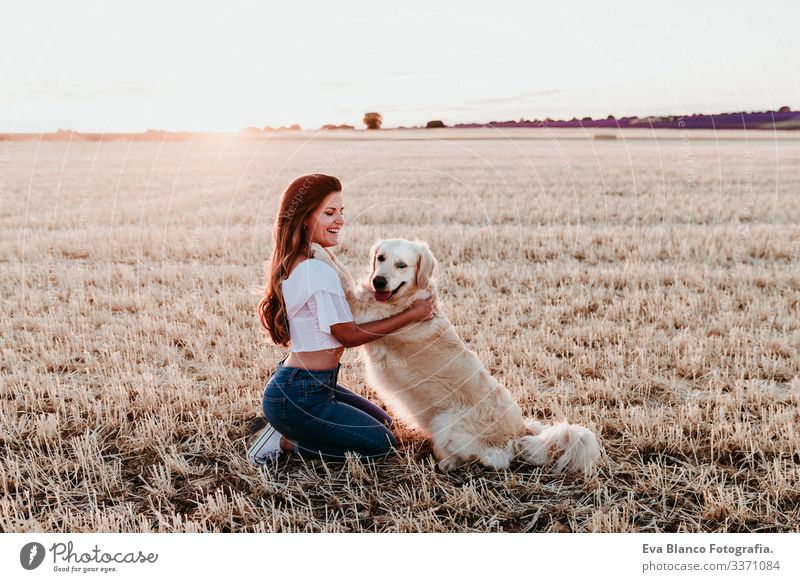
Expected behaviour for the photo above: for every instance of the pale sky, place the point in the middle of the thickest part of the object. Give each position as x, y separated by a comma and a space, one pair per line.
117, 66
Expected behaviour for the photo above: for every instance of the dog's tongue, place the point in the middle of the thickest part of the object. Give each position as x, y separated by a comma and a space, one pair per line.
382, 295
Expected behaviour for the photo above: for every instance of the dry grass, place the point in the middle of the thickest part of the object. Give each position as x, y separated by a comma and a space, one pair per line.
648, 289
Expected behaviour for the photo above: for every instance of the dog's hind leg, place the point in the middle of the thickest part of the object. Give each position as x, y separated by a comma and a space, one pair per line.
498, 458
575, 446
532, 427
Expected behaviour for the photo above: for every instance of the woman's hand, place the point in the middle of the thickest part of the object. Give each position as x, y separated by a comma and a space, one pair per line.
422, 309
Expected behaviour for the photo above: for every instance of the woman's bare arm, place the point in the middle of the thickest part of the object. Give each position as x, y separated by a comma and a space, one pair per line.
352, 334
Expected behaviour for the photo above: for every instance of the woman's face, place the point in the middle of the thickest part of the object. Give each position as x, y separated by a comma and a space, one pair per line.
325, 222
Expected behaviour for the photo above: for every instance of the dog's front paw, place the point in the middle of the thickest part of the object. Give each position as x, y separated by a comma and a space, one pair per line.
450, 463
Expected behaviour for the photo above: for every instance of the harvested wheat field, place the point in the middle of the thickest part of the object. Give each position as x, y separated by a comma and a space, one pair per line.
645, 286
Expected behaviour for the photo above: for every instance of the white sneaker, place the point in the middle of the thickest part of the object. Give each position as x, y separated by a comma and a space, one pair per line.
265, 447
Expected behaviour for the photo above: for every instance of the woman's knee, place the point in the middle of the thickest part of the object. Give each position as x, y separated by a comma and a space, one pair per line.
377, 441
370, 446
385, 445
347, 396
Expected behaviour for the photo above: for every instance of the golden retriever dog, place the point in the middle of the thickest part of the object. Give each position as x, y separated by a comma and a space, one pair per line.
431, 380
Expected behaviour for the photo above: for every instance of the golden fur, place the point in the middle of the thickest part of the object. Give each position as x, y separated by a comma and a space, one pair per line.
430, 378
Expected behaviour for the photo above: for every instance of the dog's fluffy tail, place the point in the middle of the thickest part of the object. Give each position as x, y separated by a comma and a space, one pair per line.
575, 446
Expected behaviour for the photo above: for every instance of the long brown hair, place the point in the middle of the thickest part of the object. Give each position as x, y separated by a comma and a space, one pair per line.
299, 200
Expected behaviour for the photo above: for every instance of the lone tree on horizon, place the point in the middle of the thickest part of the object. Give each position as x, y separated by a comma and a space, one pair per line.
373, 120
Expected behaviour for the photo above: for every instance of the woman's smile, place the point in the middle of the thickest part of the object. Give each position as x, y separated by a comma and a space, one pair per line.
333, 234
327, 222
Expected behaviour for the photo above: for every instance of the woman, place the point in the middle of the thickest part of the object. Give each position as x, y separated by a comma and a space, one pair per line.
304, 307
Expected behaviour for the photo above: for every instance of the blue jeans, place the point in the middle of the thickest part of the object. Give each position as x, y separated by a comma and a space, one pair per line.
324, 418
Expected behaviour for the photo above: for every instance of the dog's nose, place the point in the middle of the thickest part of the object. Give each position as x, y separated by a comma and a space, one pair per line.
379, 282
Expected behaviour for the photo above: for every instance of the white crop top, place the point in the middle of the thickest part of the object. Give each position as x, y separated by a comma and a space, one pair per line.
315, 300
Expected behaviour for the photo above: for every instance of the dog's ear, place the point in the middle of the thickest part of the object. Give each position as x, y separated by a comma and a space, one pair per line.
425, 264
373, 253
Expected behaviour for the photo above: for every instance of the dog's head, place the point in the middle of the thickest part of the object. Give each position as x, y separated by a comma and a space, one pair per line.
399, 268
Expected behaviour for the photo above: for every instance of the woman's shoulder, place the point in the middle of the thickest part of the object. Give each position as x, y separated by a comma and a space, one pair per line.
313, 265
309, 277
313, 274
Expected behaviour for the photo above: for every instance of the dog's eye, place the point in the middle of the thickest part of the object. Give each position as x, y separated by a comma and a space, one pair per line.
381, 258
401, 265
